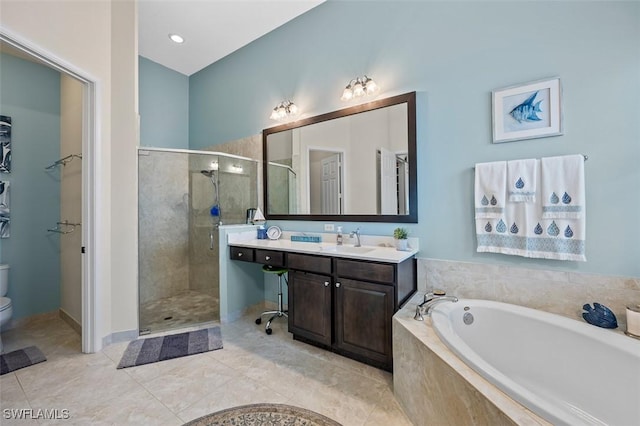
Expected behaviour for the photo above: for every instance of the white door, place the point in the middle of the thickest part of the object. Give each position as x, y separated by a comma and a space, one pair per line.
331, 184
388, 182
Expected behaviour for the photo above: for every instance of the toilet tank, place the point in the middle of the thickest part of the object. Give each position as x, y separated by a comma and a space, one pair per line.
4, 279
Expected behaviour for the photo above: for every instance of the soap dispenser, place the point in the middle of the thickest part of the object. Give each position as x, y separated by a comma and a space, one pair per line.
339, 236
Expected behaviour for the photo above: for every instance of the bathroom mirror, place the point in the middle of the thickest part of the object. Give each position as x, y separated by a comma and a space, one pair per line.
355, 164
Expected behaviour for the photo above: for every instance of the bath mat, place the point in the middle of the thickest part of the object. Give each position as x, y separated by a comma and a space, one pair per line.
20, 359
162, 348
265, 415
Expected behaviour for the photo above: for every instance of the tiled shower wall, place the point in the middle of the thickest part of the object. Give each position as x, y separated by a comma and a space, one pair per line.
163, 226
557, 292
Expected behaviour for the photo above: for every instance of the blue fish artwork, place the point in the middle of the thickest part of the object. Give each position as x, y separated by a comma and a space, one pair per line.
527, 110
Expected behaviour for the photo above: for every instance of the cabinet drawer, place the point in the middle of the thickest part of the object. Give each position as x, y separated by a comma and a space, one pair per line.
304, 262
269, 257
242, 253
367, 271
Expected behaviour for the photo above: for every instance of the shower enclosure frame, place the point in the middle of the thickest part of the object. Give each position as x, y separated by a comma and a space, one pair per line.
220, 220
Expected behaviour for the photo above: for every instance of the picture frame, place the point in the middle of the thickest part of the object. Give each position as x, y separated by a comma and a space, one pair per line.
527, 111
5, 144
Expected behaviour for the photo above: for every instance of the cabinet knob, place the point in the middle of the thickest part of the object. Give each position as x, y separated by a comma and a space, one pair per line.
326, 283
337, 285
239, 254
267, 257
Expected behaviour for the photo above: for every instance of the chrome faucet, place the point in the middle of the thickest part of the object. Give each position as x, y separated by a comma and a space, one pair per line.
356, 234
430, 300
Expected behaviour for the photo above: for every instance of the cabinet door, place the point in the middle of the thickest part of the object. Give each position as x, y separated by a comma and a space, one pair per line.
310, 306
363, 319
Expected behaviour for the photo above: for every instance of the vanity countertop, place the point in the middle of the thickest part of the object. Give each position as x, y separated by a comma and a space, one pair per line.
378, 253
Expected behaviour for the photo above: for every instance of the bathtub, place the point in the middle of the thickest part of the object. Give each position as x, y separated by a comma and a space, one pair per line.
565, 371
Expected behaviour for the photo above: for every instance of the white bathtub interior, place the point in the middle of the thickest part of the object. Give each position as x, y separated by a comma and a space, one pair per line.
566, 371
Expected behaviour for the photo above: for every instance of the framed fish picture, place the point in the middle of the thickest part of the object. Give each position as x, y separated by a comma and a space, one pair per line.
527, 111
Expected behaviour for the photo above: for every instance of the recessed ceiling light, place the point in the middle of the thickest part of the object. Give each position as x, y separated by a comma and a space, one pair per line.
176, 38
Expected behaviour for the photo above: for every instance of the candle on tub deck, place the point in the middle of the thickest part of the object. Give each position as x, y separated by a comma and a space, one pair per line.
633, 320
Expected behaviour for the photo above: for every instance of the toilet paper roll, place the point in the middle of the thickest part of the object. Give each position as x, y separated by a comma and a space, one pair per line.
633, 320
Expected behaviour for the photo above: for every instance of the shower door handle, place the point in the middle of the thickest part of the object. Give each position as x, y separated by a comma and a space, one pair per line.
211, 240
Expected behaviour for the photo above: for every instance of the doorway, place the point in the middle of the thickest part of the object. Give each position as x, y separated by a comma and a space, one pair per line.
75, 222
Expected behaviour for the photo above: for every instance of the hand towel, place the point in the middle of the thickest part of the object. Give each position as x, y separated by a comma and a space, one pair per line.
490, 189
521, 180
563, 193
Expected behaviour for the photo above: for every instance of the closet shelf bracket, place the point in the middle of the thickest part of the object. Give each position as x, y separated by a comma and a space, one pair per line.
64, 161
64, 227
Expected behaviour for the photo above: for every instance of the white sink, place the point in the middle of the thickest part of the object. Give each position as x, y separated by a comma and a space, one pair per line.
347, 249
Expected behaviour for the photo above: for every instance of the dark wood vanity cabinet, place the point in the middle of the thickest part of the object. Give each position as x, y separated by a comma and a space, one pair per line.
348, 310
345, 305
362, 326
310, 306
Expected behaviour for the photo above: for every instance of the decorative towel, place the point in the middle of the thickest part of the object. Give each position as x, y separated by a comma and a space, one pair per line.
521, 180
562, 187
523, 231
490, 189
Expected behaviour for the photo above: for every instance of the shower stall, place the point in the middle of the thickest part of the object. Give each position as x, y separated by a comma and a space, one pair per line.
184, 196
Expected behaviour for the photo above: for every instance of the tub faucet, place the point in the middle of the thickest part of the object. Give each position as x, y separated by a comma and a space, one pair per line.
430, 300
356, 234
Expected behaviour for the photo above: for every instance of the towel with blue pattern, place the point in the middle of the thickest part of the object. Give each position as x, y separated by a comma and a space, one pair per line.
490, 189
563, 189
521, 180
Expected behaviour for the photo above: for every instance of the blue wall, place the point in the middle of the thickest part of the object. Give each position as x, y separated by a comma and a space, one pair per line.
30, 95
454, 54
164, 106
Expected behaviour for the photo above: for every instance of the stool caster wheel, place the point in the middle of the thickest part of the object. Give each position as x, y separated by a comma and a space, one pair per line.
268, 331
259, 321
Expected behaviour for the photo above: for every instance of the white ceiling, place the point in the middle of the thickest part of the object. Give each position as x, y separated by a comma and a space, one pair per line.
212, 29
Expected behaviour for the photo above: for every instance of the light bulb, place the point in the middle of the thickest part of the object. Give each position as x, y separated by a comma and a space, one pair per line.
358, 90
347, 94
371, 86
293, 109
176, 38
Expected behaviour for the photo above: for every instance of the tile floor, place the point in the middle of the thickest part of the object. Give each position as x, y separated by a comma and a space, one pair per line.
252, 367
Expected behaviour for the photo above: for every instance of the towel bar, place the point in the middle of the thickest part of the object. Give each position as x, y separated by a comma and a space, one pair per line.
585, 156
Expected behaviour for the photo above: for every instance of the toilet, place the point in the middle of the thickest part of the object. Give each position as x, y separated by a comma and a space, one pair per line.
6, 309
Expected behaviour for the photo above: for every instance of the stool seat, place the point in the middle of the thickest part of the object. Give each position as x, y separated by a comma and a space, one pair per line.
274, 269
279, 271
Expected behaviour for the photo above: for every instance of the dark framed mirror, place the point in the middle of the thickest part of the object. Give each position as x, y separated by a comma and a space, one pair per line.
356, 164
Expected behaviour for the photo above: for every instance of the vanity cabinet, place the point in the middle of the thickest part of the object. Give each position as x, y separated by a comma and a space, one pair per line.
344, 305
363, 310
310, 306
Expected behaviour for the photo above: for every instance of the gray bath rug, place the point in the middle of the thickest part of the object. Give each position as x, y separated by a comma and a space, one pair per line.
153, 349
20, 359
264, 415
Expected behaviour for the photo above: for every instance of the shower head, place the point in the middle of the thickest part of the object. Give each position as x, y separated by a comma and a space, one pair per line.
208, 173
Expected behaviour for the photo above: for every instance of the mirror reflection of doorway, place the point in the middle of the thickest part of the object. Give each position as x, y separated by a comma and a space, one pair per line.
393, 182
325, 181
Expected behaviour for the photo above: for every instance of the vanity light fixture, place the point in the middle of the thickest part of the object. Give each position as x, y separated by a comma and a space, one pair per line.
358, 87
284, 110
176, 38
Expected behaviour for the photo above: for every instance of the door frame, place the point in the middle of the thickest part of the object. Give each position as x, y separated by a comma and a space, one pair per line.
91, 341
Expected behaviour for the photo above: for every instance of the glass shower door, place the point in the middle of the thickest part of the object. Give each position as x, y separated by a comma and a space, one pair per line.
184, 196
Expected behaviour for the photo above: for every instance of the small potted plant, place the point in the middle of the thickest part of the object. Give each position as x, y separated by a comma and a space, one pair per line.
400, 235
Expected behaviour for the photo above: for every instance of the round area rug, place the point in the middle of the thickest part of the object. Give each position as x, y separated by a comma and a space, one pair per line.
264, 415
